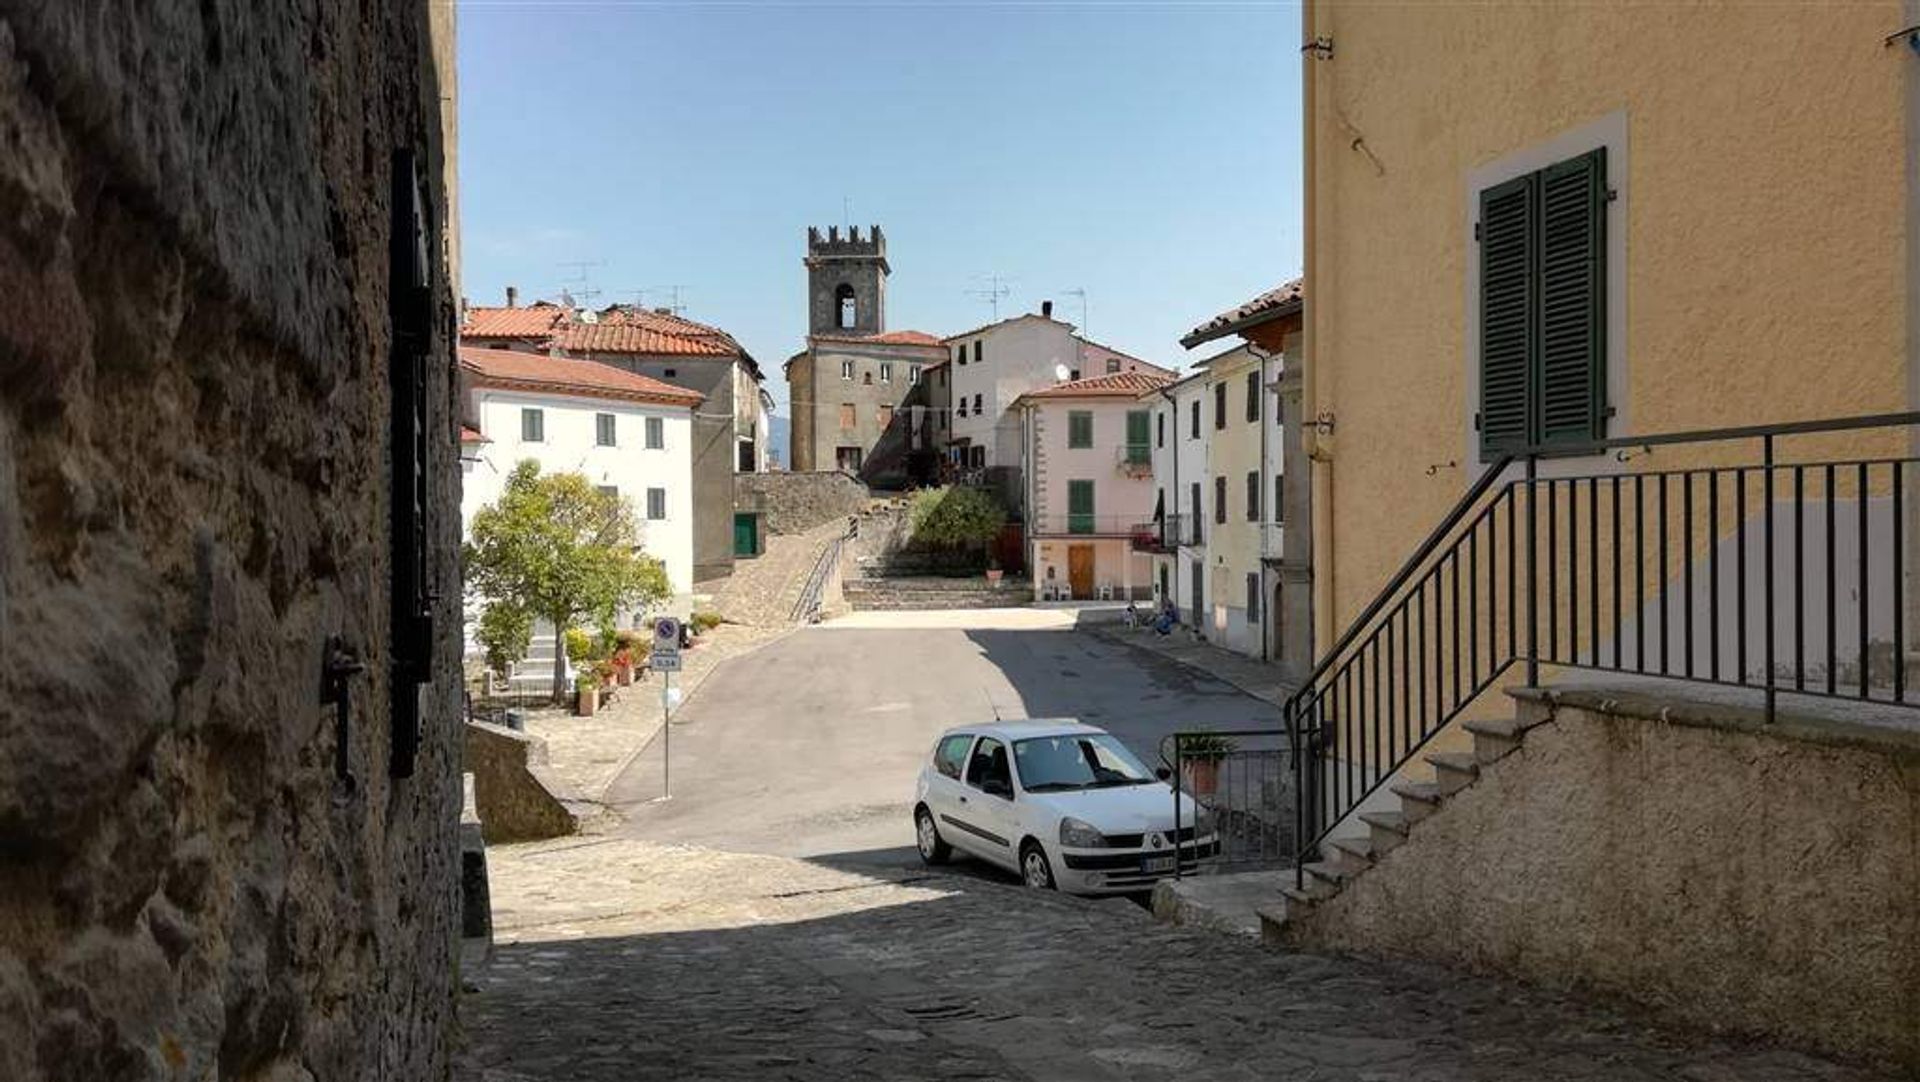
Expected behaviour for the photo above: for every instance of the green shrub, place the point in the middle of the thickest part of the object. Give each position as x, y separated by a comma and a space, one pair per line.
1205, 746
703, 622
579, 646
955, 517
505, 632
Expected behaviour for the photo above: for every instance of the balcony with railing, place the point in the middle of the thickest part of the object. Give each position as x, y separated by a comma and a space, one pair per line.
1068, 524
1163, 536
1134, 459
1725, 559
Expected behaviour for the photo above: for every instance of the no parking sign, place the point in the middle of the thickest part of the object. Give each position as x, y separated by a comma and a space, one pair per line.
666, 645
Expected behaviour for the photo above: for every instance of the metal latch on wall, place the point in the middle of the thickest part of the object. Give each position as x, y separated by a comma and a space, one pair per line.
339, 664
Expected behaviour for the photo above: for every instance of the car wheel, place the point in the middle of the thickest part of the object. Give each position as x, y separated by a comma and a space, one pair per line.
933, 849
1034, 868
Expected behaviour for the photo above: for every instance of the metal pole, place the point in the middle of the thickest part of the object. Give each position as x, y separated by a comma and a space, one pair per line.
666, 736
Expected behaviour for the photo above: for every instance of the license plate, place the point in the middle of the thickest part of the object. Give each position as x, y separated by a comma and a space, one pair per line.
1157, 864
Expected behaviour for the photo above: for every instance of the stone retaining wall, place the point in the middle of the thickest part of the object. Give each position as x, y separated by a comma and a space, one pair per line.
793, 503
519, 800
1758, 878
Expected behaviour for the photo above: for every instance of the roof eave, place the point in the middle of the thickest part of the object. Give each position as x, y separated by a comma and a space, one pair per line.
1200, 336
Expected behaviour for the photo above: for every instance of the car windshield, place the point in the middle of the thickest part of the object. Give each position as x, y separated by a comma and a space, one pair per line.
1077, 761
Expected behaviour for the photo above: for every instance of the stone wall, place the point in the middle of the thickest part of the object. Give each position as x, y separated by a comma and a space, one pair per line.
194, 348
793, 503
1750, 877
517, 801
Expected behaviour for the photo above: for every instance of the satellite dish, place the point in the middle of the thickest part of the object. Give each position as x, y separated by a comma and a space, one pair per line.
1062, 373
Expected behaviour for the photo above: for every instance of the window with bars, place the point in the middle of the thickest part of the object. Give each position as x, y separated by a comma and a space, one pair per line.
1543, 307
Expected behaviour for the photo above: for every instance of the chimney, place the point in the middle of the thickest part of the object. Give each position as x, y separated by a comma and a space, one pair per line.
513, 297
1046, 309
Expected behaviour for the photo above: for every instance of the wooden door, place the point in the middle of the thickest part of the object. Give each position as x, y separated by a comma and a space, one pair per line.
1080, 571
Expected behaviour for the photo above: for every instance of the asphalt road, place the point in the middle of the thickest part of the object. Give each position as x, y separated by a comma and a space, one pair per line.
809, 747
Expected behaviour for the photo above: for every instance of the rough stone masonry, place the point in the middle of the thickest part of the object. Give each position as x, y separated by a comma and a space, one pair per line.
194, 495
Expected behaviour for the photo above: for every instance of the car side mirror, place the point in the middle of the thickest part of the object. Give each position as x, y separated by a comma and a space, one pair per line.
1163, 773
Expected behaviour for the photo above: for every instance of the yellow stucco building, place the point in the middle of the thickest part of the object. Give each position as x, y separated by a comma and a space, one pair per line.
1749, 176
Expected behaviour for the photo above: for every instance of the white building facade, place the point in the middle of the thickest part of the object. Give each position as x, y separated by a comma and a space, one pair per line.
1182, 495
626, 433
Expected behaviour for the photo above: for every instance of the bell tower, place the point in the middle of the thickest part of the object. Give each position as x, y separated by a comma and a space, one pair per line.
846, 281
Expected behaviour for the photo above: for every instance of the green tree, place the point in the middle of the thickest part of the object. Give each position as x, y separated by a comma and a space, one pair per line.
956, 517
504, 632
556, 547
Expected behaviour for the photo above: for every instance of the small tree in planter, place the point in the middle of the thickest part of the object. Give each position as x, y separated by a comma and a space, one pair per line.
957, 519
586, 688
1200, 756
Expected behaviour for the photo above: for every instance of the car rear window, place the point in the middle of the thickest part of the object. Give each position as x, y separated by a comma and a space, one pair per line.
951, 755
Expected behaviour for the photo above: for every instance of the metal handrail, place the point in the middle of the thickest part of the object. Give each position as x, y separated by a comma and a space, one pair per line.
807, 606
1346, 704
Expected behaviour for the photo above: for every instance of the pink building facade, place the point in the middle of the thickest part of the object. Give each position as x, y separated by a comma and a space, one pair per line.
1087, 459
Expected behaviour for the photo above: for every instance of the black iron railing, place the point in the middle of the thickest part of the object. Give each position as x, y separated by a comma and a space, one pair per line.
1750, 570
1244, 780
806, 608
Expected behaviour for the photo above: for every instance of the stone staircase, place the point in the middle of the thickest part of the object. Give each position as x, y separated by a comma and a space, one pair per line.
1348, 856
913, 594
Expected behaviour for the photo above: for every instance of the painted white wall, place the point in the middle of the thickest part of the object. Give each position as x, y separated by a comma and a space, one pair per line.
569, 446
1020, 355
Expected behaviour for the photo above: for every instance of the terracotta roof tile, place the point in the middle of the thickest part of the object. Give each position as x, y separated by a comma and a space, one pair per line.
472, 435
533, 321
539, 373
1279, 301
889, 338
1115, 385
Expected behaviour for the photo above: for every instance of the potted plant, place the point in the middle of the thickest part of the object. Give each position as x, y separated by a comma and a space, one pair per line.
586, 688
604, 670
1200, 756
994, 571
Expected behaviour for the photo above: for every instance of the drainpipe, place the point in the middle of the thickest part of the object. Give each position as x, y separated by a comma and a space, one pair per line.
1319, 468
1173, 577
1261, 357
1911, 61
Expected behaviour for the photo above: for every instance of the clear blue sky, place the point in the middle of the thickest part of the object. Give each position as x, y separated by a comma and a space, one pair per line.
1147, 153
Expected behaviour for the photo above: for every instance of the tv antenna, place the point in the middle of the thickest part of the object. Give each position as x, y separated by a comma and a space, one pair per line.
673, 305
995, 290
1082, 294
582, 279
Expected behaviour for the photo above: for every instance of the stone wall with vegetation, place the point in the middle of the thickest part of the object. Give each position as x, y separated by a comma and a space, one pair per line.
193, 498
793, 503
1747, 876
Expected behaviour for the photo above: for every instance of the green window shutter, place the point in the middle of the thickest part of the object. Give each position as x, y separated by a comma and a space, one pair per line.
1139, 443
1079, 506
1079, 429
1571, 375
1506, 314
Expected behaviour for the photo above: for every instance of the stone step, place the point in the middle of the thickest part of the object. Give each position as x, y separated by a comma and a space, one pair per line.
1332, 873
1386, 830
1311, 892
1453, 771
1354, 854
1495, 738
1418, 799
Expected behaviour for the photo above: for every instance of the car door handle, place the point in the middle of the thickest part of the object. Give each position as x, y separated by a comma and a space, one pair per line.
963, 800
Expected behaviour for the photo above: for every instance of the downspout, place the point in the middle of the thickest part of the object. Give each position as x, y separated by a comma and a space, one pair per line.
1261, 357
1910, 50
1320, 468
1173, 576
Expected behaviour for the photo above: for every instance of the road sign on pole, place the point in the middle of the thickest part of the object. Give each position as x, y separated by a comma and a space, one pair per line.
665, 660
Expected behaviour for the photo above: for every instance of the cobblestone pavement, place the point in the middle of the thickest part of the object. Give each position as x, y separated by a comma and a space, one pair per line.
763, 591
623, 959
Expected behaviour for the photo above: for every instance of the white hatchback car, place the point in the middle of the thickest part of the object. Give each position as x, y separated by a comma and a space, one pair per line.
1063, 804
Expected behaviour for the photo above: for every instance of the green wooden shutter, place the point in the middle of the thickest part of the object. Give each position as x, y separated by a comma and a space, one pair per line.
1506, 314
1079, 429
1079, 506
1571, 376
1139, 446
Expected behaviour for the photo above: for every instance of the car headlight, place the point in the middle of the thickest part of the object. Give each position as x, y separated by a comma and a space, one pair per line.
1075, 834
